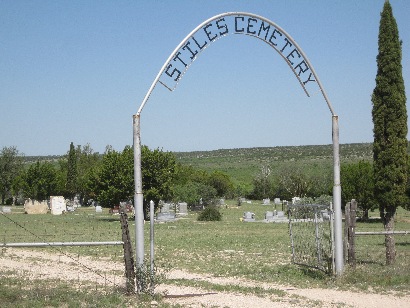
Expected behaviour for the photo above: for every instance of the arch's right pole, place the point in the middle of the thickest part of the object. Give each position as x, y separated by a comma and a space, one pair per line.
337, 199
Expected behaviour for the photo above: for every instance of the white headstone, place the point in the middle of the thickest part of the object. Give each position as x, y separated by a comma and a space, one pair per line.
183, 208
98, 209
266, 201
6, 209
269, 215
57, 205
248, 216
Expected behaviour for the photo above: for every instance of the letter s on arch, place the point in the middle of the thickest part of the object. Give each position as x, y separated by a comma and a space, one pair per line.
223, 26
175, 70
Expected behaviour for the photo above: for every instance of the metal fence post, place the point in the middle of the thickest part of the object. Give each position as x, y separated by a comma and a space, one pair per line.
337, 198
138, 198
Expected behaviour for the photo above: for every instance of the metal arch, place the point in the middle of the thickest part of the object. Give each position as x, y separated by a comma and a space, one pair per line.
172, 55
138, 195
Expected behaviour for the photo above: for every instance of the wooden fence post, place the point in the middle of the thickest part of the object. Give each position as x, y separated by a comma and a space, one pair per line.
346, 233
128, 258
351, 220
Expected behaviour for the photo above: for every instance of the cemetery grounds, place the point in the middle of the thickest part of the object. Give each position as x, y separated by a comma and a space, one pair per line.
200, 264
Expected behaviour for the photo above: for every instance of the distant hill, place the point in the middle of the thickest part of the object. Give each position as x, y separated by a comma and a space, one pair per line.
352, 151
243, 164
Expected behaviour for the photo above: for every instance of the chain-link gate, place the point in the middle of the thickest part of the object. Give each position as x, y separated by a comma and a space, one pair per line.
311, 234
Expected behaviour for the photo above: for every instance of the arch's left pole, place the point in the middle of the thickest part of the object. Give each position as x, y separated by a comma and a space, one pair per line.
337, 203
138, 197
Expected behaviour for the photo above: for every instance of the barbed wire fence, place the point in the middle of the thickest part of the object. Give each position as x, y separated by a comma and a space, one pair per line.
365, 243
82, 249
311, 232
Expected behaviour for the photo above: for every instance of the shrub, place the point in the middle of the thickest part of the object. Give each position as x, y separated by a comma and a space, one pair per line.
210, 213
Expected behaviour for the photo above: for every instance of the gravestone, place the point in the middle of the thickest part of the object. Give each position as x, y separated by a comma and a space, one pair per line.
222, 201
98, 209
269, 215
76, 202
35, 207
275, 216
165, 213
165, 208
248, 216
266, 201
57, 205
183, 208
6, 210
277, 201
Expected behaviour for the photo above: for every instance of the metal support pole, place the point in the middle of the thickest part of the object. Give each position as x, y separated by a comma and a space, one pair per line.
138, 197
337, 199
151, 210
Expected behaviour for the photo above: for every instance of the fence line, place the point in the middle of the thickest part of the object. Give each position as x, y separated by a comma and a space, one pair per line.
382, 232
352, 236
31, 244
91, 229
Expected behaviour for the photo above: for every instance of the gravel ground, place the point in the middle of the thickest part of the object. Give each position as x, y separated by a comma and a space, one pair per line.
85, 270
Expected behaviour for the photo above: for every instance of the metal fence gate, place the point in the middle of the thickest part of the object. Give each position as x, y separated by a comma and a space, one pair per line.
311, 234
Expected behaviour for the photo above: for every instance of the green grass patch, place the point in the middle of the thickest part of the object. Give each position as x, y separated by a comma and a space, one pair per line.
228, 248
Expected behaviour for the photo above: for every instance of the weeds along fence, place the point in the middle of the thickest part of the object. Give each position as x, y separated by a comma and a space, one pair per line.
365, 240
311, 232
83, 250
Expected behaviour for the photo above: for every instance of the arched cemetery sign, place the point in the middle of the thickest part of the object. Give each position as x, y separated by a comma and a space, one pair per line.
188, 51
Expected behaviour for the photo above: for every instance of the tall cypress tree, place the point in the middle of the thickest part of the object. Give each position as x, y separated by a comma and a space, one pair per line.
390, 127
71, 172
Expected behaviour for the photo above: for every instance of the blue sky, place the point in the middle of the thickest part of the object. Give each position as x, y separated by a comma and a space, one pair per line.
78, 70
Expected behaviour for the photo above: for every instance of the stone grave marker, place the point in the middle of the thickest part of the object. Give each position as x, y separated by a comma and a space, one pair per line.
269, 215
266, 201
165, 208
165, 213
183, 208
98, 209
6, 210
248, 216
35, 207
57, 205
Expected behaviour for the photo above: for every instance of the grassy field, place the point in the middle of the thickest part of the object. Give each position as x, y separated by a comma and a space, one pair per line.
230, 248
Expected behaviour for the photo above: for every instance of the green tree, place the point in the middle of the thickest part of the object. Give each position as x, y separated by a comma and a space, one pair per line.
11, 164
262, 184
71, 172
222, 184
40, 181
358, 183
88, 162
390, 127
113, 181
293, 181
158, 171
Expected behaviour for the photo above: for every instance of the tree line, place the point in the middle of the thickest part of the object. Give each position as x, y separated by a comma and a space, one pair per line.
108, 178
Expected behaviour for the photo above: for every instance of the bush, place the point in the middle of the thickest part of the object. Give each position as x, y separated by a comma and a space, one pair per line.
9, 201
210, 213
